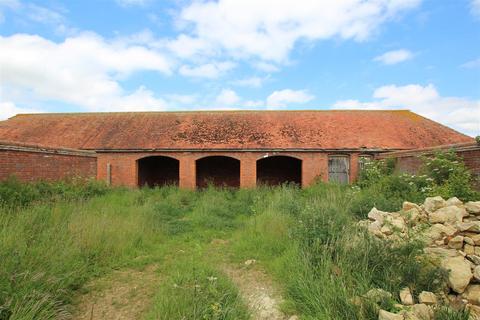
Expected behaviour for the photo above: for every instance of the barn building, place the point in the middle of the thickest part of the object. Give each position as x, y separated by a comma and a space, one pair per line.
224, 148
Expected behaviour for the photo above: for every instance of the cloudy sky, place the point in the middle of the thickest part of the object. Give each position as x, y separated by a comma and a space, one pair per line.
144, 55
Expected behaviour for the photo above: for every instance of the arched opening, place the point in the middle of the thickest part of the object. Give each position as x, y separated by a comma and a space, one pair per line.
158, 171
218, 171
277, 170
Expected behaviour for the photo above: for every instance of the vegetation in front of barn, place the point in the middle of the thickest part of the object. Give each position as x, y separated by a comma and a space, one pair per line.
53, 242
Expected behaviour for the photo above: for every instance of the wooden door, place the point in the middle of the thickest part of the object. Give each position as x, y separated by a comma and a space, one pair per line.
338, 169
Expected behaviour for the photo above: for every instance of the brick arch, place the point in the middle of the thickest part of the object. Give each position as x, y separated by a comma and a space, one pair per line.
158, 170
279, 155
279, 169
228, 155
217, 170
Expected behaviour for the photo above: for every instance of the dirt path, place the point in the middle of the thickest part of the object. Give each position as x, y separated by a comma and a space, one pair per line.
122, 295
258, 291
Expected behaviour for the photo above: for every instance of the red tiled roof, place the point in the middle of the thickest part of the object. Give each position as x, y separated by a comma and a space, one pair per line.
330, 129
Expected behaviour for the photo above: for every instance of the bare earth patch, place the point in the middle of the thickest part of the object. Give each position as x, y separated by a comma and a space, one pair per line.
122, 295
258, 291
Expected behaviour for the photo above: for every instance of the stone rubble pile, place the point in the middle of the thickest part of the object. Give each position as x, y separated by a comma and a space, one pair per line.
451, 230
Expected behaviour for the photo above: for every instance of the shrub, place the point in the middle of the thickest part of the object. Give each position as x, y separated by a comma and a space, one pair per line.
375, 170
444, 174
449, 176
388, 193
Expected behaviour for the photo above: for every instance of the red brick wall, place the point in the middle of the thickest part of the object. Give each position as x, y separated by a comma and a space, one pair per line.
410, 161
124, 166
45, 165
472, 161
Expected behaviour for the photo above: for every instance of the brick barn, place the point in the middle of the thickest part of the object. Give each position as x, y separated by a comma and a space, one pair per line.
192, 149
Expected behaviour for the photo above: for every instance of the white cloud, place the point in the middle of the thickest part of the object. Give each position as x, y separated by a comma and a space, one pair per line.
188, 47
460, 113
269, 29
283, 98
9, 109
394, 57
82, 70
141, 99
209, 70
228, 98
472, 64
475, 7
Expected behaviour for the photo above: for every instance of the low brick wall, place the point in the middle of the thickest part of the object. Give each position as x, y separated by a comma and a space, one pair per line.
33, 162
409, 161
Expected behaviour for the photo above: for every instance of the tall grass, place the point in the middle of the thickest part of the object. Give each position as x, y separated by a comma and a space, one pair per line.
47, 251
49, 248
194, 289
52, 242
325, 262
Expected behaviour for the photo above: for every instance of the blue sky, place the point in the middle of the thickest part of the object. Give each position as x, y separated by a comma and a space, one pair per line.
148, 55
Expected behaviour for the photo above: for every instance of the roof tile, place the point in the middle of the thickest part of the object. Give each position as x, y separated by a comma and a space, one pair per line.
314, 129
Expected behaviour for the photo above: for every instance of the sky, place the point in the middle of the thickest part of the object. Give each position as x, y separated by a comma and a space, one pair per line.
166, 55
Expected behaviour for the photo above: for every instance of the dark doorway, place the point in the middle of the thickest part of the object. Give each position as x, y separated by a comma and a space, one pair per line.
338, 169
158, 171
278, 170
218, 171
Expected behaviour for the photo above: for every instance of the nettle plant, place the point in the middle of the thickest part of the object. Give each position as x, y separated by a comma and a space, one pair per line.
374, 171
448, 176
443, 173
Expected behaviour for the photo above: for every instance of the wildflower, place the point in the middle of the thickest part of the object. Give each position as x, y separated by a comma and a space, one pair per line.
212, 279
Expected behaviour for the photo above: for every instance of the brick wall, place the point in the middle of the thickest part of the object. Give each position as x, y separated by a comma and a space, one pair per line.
123, 166
30, 163
410, 162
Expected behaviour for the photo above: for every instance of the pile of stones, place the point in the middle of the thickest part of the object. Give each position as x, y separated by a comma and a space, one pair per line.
451, 230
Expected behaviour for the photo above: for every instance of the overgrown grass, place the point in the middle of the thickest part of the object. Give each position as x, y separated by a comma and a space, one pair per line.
47, 251
194, 289
50, 248
14, 194
324, 261
50, 245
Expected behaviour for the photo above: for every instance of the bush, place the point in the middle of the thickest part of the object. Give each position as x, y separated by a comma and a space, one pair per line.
379, 186
375, 170
449, 176
388, 193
